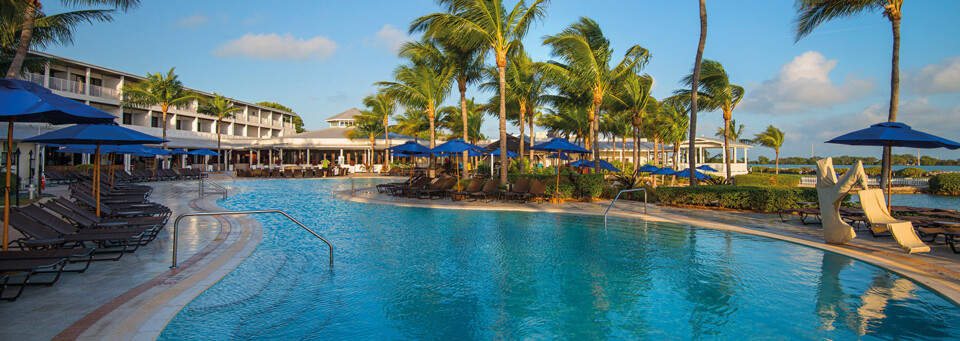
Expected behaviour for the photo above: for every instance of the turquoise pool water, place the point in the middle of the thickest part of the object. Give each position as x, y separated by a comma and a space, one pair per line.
411, 273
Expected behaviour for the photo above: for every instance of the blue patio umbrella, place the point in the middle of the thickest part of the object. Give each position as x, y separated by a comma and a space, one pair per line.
456, 146
561, 156
410, 147
559, 145
496, 152
203, 152
179, 151
23, 101
663, 171
893, 134
590, 163
707, 168
686, 174
96, 134
470, 152
135, 150
648, 169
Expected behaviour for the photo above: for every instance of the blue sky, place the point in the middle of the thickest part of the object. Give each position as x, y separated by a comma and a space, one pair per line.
321, 57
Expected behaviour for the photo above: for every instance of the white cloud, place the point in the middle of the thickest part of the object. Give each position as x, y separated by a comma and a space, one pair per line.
943, 77
192, 21
803, 84
276, 47
389, 38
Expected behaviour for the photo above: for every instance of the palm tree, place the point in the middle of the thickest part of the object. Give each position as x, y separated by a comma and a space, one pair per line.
526, 88
716, 92
413, 123
585, 61
617, 125
48, 30
220, 107
812, 13
672, 124
695, 84
488, 25
453, 121
32, 12
366, 125
159, 89
771, 138
736, 131
382, 106
631, 96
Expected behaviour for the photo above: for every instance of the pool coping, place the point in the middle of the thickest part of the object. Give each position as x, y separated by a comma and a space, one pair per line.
944, 282
144, 311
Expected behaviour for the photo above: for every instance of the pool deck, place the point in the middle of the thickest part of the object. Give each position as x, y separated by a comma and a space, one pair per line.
135, 297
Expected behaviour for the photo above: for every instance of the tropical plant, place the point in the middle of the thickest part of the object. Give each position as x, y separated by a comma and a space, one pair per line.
568, 115
771, 138
526, 90
31, 12
736, 131
716, 92
488, 25
366, 125
812, 13
631, 96
382, 107
671, 125
452, 120
586, 61
413, 123
159, 89
695, 84
220, 107
54, 29
616, 125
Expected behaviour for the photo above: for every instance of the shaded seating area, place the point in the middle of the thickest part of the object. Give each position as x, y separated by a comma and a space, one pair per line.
296, 172
489, 189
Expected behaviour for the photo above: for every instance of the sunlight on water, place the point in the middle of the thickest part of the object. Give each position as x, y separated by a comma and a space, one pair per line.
411, 273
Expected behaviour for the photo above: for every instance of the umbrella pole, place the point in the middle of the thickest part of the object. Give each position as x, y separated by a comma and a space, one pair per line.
6, 190
458, 174
96, 178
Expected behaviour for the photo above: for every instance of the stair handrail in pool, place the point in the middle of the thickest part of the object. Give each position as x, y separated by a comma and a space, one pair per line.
176, 224
217, 187
618, 197
334, 189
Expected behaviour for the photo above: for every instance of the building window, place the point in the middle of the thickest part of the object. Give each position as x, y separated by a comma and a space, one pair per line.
179, 125
127, 118
154, 121
96, 81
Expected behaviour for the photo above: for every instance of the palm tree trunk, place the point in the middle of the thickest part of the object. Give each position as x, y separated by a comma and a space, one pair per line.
462, 86
530, 122
219, 151
502, 70
726, 144
693, 89
26, 34
595, 125
623, 150
433, 137
523, 111
164, 119
894, 102
777, 164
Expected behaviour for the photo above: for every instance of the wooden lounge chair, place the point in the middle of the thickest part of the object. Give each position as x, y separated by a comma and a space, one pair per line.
288, 173
491, 189
475, 185
950, 235
520, 188
297, 172
276, 173
875, 209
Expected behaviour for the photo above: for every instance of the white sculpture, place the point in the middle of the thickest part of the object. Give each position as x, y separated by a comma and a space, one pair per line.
830, 192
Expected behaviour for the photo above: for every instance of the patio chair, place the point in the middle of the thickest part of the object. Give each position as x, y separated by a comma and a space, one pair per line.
875, 209
475, 185
297, 172
288, 173
538, 191
64, 227
439, 191
387, 186
417, 184
31, 267
491, 189
275, 173
950, 235
520, 188
79, 255
38, 236
87, 220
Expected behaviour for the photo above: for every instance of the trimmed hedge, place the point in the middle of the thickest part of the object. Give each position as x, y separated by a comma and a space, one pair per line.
873, 171
945, 183
781, 180
590, 185
750, 198
909, 172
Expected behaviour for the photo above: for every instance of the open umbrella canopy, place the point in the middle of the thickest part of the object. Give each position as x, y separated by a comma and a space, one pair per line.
663, 171
455, 146
103, 134
707, 168
26, 101
135, 150
560, 144
590, 163
648, 168
561, 156
686, 174
894, 134
179, 151
470, 152
496, 152
203, 152
410, 148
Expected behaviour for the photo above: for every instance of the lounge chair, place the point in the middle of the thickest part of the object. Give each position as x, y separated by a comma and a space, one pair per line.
79, 255
42, 237
491, 189
64, 227
412, 191
31, 267
276, 173
875, 209
950, 235
520, 188
443, 187
387, 186
288, 173
415, 185
475, 185
538, 191
86, 219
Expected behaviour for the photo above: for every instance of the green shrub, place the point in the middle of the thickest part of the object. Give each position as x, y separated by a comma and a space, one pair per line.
83, 168
873, 171
781, 180
589, 185
751, 198
909, 172
945, 183
566, 189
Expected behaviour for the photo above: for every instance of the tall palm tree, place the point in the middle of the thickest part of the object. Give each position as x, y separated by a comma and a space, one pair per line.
413, 123
586, 61
453, 121
716, 92
220, 107
736, 131
617, 125
421, 86
672, 124
366, 125
487, 24
771, 138
695, 84
32, 12
631, 96
48, 30
466, 63
382, 106
159, 89
812, 13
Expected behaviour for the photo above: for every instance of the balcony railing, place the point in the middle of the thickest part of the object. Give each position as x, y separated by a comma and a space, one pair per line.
99, 91
66, 85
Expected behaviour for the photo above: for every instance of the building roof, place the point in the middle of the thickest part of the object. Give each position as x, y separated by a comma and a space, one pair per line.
345, 116
328, 133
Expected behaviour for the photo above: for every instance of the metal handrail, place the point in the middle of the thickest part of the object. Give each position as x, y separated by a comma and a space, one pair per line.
176, 224
334, 189
219, 189
618, 197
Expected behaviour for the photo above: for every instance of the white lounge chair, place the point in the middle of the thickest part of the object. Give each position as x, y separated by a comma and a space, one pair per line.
875, 209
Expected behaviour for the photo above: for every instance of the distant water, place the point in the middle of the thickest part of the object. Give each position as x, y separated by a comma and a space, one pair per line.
895, 167
923, 200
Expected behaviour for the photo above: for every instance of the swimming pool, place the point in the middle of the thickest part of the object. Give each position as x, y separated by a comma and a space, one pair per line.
414, 273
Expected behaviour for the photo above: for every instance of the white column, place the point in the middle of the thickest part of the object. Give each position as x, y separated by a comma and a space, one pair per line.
746, 160
46, 76
86, 83
126, 163
724, 158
